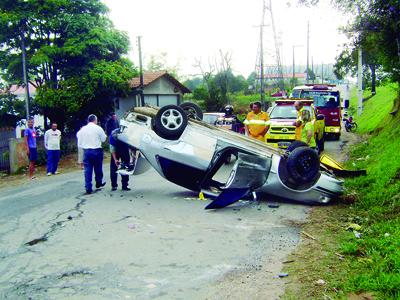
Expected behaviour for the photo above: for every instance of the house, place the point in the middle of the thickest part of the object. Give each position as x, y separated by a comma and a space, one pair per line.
159, 89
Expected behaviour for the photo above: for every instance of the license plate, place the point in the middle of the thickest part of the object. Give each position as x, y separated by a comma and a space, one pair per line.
283, 144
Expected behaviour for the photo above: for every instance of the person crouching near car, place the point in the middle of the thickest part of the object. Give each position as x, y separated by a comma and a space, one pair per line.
307, 131
52, 139
256, 123
119, 155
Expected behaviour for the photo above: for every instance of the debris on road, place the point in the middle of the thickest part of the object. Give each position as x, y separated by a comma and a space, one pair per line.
320, 282
273, 205
288, 261
354, 227
281, 275
132, 226
308, 235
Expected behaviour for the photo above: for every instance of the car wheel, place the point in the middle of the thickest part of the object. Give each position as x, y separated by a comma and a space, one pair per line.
192, 110
303, 165
170, 122
295, 144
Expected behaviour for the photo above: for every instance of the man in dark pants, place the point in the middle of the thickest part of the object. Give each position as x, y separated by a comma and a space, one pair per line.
90, 139
112, 123
119, 155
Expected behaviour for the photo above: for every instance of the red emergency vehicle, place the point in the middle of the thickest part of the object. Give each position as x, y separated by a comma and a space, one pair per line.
326, 101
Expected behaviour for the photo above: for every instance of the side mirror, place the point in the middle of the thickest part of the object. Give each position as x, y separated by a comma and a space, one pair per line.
320, 117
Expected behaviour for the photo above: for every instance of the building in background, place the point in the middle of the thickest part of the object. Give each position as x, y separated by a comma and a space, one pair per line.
159, 89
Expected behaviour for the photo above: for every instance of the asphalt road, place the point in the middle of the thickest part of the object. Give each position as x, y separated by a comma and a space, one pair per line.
154, 242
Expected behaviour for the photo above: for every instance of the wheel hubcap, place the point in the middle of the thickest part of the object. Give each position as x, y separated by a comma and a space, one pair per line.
171, 119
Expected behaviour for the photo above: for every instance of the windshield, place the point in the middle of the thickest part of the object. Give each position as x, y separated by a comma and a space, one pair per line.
210, 119
326, 101
285, 112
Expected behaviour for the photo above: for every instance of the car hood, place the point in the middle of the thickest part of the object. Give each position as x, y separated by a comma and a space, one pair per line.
284, 122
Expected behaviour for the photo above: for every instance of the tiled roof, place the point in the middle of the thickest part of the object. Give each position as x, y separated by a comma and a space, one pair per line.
150, 77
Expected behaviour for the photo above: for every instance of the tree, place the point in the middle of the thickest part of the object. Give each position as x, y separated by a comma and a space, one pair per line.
376, 29
74, 54
11, 108
158, 62
311, 74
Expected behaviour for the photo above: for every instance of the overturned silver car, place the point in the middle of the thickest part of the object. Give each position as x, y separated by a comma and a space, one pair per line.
189, 152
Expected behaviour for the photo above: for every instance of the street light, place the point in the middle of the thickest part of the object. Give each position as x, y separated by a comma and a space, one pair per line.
294, 46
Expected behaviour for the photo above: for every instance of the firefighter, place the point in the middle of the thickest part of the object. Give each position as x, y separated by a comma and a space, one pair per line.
256, 123
298, 105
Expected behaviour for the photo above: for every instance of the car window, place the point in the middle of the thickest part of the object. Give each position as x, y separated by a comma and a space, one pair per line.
287, 112
210, 119
283, 112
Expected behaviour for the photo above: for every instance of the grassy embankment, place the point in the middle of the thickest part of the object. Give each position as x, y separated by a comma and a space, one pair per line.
368, 265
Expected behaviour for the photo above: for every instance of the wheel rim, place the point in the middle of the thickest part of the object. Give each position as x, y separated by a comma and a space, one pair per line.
171, 119
191, 112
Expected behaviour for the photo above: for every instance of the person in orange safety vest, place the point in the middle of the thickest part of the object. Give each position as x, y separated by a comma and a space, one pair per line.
298, 105
256, 122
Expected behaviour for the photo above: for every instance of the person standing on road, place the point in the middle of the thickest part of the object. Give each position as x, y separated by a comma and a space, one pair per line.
112, 123
298, 105
256, 123
31, 149
90, 138
52, 139
307, 132
119, 155
80, 149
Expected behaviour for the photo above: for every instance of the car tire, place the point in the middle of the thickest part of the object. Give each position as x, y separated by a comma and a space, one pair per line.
192, 110
170, 122
295, 144
303, 165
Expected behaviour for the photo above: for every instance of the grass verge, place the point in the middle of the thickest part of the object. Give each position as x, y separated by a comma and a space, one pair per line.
362, 262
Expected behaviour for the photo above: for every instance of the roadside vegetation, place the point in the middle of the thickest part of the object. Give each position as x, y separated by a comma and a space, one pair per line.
354, 245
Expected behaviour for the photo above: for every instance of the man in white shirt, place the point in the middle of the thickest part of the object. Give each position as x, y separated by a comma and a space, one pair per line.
52, 139
90, 138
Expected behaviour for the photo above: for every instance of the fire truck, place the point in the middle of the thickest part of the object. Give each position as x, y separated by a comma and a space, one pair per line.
326, 101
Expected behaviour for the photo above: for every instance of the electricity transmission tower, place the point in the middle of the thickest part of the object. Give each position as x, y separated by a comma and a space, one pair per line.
278, 67
259, 70
272, 71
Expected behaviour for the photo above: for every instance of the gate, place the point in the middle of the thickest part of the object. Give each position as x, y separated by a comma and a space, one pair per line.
5, 135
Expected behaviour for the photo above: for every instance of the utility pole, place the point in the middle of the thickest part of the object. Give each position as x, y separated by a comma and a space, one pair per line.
308, 48
312, 69
294, 65
140, 71
322, 73
359, 82
25, 74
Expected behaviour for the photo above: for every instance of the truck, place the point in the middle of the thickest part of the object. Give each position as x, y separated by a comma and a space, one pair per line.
326, 99
283, 114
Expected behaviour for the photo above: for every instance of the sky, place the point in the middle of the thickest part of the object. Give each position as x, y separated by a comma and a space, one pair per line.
193, 30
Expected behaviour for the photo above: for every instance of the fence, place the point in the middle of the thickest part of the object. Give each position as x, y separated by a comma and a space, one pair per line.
5, 135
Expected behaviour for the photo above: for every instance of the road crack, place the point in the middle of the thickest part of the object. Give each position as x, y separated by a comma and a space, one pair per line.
59, 224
